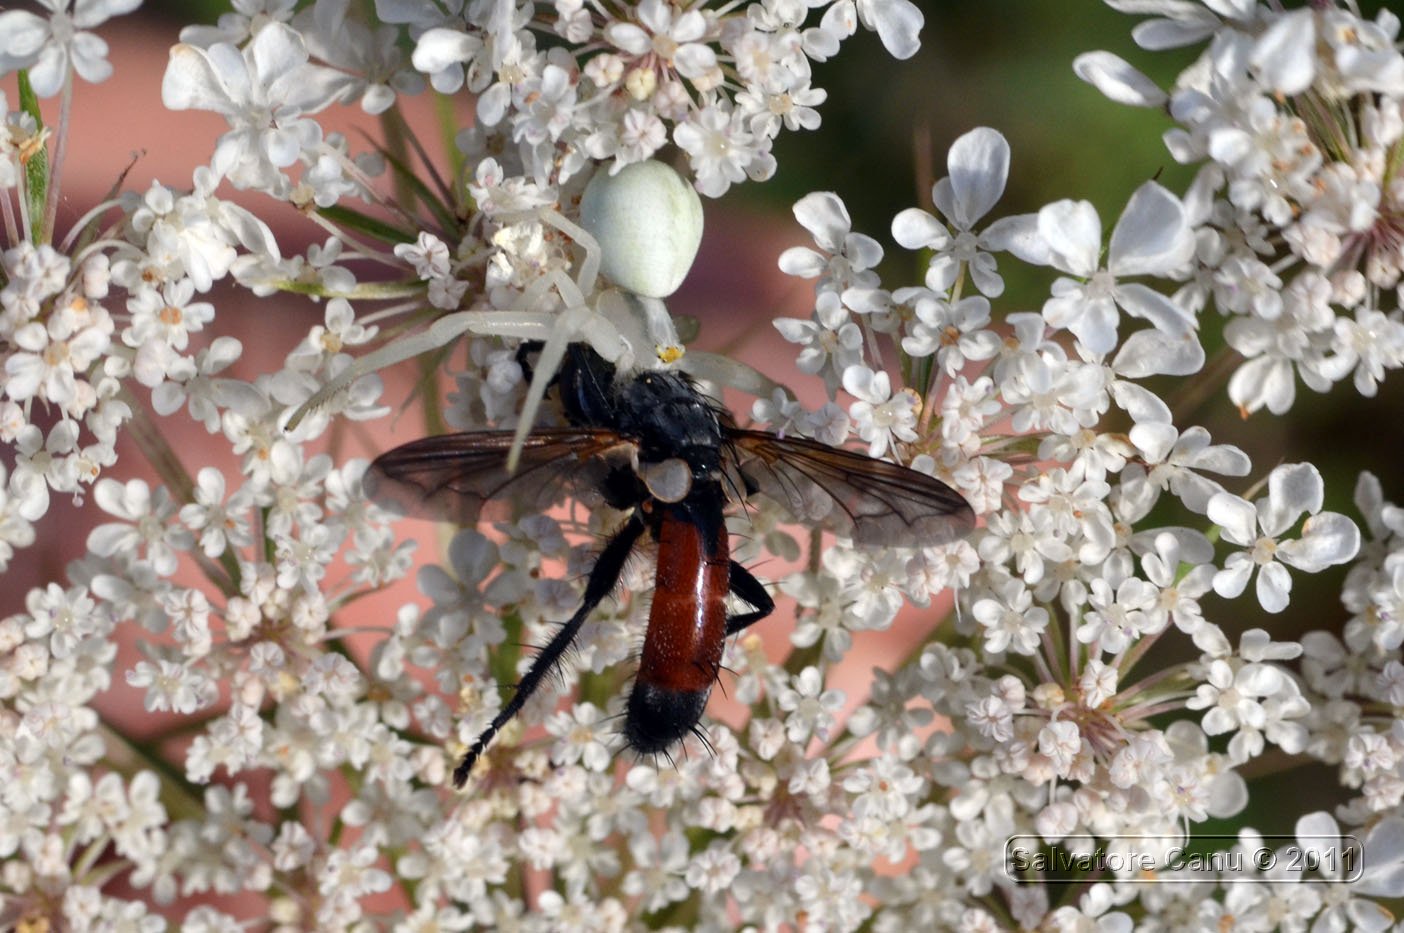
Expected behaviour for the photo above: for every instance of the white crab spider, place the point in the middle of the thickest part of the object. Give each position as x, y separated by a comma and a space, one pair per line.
641, 227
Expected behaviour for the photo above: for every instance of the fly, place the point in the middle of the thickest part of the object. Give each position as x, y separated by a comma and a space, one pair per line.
652, 445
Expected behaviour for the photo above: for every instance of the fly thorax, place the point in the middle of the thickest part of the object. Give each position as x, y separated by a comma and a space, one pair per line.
670, 420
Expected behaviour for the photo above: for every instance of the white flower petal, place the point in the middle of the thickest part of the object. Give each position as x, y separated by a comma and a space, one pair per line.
985, 274
191, 82
1318, 825
1383, 860
1152, 236
1221, 458
1155, 352
1267, 380
90, 13
1274, 587
1285, 55
1143, 405
89, 54
863, 251
803, 262
916, 229
25, 34
1018, 236
48, 71
1111, 75
1159, 34
106, 540
439, 48
1148, 304
822, 213
24, 372
1258, 679
1073, 232
1218, 721
897, 22
1095, 326
1293, 488
110, 496
1154, 440
695, 60
1328, 538
979, 165
277, 50
1236, 516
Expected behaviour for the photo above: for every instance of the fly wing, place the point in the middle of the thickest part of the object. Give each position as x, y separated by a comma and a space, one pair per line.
874, 502
463, 478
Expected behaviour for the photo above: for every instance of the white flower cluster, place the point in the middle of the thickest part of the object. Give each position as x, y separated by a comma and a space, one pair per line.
1298, 209
1095, 685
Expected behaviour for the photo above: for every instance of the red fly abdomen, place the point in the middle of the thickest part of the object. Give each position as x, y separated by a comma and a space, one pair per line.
686, 632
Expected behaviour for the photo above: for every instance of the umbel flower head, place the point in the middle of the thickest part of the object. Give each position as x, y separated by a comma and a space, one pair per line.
1087, 669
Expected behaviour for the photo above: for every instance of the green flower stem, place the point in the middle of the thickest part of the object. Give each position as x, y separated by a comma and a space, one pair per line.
181, 799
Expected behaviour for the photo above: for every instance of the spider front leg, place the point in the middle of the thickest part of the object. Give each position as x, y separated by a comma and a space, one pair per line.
526, 324
439, 334
641, 228
521, 324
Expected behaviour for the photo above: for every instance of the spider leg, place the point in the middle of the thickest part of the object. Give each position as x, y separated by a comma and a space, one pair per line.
440, 333
590, 265
725, 371
547, 362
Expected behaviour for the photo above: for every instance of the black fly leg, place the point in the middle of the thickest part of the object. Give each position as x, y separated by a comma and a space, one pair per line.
752, 591
599, 585
525, 349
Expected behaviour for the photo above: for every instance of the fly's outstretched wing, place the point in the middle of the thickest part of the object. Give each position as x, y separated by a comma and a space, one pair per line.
876, 503
463, 478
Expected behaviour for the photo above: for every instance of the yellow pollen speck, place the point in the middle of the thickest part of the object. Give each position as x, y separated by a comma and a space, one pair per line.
32, 146
916, 399
670, 354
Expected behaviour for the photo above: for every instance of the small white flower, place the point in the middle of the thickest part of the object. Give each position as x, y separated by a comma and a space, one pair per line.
879, 417
810, 706
1152, 237
979, 167
721, 150
1327, 537
1011, 622
49, 47
147, 520
713, 870
579, 737
830, 341
667, 35
265, 92
845, 259
956, 334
